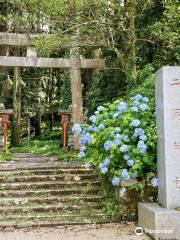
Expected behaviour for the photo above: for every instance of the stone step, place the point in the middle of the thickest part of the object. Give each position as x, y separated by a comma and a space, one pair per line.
47, 185
57, 215
44, 171
38, 178
50, 208
28, 166
49, 192
50, 200
53, 222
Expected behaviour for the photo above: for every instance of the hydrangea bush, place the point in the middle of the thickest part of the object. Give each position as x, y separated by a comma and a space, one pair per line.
120, 140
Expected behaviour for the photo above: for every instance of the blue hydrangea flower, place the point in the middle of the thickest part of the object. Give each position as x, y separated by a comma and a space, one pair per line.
115, 181
130, 162
125, 137
126, 157
136, 103
96, 112
100, 108
90, 128
134, 109
125, 174
108, 145
143, 107
101, 126
85, 139
82, 148
137, 97
117, 129
96, 129
101, 165
104, 170
116, 115
106, 162
143, 138
124, 148
81, 155
122, 107
155, 182
135, 123
118, 142
77, 128
138, 132
87, 165
142, 146
93, 118
118, 136
145, 99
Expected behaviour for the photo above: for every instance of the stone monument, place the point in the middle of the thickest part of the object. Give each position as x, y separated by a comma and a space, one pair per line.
162, 220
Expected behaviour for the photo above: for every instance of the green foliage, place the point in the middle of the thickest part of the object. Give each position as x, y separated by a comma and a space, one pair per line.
66, 91
105, 129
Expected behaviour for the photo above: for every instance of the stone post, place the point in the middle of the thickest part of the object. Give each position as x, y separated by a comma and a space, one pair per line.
162, 220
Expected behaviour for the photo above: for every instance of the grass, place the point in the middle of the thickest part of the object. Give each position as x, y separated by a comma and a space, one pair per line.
49, 143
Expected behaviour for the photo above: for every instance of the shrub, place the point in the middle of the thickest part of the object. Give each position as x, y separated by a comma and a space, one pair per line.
121, 139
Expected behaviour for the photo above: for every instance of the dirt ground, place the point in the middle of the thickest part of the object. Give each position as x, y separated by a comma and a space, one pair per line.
83, 232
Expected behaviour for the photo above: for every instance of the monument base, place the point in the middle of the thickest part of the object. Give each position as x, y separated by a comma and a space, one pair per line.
159, 222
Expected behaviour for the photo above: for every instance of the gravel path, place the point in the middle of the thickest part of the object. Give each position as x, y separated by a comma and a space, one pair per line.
86, 232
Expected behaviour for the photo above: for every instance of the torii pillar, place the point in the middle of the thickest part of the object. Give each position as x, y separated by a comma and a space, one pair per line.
76, 89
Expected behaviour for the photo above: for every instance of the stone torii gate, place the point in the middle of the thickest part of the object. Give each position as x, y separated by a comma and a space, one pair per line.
75, 63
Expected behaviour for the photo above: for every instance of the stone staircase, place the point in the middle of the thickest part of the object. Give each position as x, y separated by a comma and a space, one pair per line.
42, 191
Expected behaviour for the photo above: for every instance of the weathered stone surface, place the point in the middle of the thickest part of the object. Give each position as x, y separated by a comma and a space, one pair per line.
166, 219
48, 191
168, 126
34, 61
159, 222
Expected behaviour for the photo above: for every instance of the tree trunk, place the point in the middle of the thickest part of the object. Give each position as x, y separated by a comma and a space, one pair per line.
3, 51
16, 133
130, 56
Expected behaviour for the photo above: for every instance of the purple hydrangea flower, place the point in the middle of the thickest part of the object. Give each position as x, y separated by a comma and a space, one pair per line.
115, 181
93, 118
155, 182
124, 148
130, 162
135, 123
108, 145
77, 128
